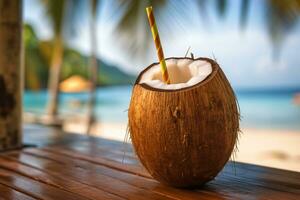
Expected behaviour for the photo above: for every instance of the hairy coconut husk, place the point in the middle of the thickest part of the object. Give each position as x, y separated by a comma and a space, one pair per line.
184, 137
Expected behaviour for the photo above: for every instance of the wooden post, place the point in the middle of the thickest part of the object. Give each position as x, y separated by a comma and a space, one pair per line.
10, 74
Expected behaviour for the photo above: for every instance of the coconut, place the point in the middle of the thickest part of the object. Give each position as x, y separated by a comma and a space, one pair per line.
183, 132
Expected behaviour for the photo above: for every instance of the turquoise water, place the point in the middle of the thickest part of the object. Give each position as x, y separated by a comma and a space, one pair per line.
272, 110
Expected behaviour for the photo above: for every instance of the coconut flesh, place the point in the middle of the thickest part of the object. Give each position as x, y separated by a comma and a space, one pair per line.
182, 72
183, 133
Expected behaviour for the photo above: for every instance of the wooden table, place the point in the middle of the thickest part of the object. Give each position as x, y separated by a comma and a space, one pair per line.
68, 166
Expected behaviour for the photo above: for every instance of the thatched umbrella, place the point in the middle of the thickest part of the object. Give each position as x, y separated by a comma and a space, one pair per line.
75, 84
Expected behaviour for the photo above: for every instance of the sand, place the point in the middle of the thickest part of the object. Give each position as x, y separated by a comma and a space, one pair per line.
273, 148
279, 149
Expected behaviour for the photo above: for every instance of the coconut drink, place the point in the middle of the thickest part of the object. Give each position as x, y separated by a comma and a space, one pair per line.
183, 125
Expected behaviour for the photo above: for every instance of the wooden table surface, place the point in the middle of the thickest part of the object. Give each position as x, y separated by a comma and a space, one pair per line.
67, 166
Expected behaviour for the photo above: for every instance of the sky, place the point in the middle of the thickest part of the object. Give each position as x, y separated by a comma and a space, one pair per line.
246, 56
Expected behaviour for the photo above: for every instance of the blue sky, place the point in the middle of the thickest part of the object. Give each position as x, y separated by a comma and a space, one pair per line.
245, 56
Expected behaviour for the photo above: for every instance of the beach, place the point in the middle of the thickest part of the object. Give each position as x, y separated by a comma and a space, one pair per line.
270, 121
272, 148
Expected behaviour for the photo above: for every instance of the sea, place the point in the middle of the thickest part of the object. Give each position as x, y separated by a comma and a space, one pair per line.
263, 109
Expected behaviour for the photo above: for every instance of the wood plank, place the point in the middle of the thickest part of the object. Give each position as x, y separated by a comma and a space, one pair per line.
7, 193
115, 164
137, 181
278, 174
261, 179
220, 179
35, 188
254, 183
86, 176
292, 179
247, 179
231, 169
250, 188
101, 145
104, 157
58, 137
57, 181
93, 149
108, 152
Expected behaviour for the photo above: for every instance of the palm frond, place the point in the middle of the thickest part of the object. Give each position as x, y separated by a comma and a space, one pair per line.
94, 7
55, 11
222, 7
281, 17
64, 15
202, 7
244, 12
132, 28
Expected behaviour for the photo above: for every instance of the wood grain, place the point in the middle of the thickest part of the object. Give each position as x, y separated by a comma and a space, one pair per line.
9, 193
86, 176
229, 180
56, 181
82, 167
35, 188
138, 181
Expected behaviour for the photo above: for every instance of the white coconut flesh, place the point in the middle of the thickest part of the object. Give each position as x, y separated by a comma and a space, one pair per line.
183, 73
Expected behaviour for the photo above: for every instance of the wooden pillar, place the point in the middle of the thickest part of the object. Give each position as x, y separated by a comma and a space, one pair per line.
10, 74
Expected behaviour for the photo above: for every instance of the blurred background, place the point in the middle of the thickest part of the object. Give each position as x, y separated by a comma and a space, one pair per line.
82, 57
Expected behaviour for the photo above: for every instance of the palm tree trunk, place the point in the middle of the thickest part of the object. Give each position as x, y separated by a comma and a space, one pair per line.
54, 77
94, 75
10, 74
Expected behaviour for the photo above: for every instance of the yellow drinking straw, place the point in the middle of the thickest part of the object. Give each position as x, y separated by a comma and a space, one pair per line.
159, 50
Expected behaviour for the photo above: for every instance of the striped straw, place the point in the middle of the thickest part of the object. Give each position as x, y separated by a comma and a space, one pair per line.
159, 50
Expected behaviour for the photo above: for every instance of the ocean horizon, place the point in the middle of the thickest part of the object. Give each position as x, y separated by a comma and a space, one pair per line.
259, 108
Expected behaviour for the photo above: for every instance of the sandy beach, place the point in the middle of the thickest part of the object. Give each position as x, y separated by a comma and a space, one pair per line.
273, 148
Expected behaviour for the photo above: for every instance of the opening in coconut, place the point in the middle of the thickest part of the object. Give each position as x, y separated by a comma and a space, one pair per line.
183, 73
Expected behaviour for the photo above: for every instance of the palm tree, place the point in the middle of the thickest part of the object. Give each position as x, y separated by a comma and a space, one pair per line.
130, 23
221, 7
93, 66
56, 12
132, 27
244, 12
281, 17
62, 15
10, 74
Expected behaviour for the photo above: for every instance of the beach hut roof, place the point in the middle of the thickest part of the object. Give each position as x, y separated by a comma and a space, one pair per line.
75, 84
